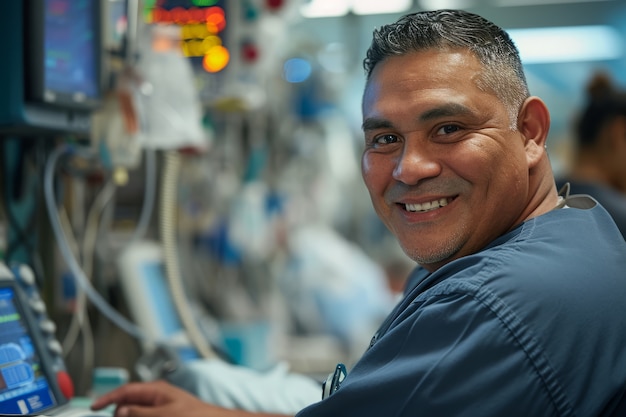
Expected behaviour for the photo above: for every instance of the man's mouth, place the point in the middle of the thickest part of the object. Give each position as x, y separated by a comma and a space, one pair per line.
428, 206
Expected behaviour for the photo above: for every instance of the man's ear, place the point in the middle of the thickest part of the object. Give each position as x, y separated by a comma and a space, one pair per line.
533, 123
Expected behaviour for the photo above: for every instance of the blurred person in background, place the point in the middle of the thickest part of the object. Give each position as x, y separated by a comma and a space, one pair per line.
599, 165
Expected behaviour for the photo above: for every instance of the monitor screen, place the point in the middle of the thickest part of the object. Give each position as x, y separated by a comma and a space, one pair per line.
50, 77
161, 307
62, 53
24, 387
150, 300
71, 55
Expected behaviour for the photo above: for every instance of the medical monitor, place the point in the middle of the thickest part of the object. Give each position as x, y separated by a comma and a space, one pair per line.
150, 301
28, 383
51, 76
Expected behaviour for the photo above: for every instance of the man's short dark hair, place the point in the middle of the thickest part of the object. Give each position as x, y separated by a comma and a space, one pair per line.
456, 29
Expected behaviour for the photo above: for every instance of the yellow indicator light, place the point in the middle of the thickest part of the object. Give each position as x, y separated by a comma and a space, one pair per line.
216, 59
197, 31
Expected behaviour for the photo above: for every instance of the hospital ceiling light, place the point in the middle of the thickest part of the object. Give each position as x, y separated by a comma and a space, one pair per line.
334, 8
445, 4
379, 6
325, 8
568, 44
514, 3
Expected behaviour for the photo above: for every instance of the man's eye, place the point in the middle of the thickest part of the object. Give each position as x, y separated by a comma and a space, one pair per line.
385, 139
448, 129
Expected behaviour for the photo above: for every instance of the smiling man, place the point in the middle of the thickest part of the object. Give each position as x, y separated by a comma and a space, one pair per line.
518, 305
447, 168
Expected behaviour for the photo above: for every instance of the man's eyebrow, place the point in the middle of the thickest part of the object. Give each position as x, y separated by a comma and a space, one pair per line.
373, 123
445, 110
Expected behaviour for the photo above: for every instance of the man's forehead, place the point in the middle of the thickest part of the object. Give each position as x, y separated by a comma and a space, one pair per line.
446, 90
447, 67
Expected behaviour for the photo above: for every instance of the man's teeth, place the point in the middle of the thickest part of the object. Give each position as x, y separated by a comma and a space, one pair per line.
432, 205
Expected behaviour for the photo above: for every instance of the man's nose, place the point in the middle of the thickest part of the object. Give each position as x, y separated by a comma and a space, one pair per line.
416, 163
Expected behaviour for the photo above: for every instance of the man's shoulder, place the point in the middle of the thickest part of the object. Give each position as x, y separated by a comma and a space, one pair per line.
545, 252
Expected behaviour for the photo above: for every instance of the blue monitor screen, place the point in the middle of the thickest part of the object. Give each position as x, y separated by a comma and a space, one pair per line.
71, 52
24, 388
162, 308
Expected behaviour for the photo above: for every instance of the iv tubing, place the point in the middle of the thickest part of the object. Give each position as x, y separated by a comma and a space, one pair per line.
71, 261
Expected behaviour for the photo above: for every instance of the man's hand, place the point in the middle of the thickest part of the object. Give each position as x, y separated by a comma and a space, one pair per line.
160, 399
152, 399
